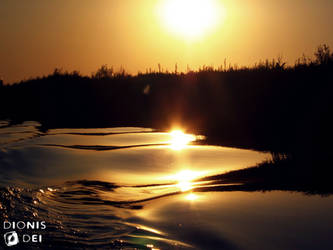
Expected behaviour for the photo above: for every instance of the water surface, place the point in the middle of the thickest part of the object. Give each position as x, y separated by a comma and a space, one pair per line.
137, 188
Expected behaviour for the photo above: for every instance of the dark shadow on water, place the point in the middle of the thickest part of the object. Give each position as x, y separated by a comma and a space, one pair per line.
102, 185
110, 133
283, 174
103, 148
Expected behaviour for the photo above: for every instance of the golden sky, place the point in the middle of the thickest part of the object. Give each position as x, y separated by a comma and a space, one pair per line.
38, 35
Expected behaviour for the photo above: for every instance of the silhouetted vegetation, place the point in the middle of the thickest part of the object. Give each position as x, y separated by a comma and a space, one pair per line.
270, 106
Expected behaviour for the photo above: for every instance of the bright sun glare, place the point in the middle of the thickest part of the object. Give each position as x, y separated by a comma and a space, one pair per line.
191, 18
179, 140
185, 178
191, 197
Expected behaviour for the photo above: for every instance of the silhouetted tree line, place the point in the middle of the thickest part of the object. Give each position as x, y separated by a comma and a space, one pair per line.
270, 106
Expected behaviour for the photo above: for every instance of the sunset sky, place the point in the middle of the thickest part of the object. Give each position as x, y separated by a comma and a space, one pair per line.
38, 36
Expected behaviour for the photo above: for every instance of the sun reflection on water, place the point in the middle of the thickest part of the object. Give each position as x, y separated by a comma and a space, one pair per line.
191, 197
185, 179
179, 139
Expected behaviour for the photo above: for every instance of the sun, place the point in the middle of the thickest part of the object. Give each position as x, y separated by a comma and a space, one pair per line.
190, 18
